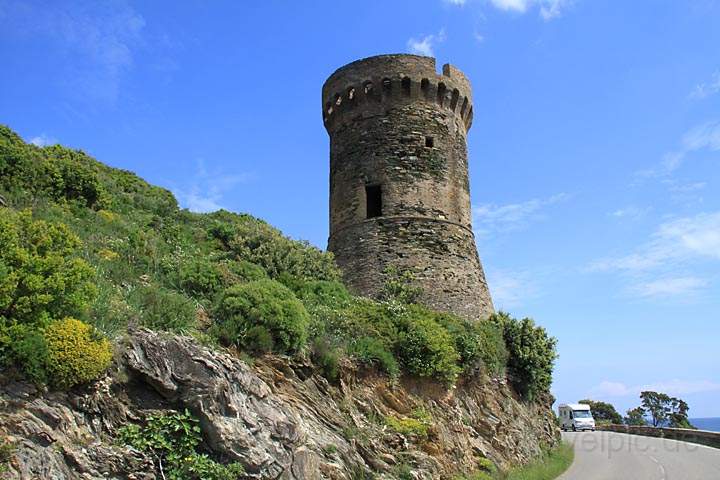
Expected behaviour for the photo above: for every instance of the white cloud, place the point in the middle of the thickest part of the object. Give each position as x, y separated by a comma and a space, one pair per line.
706, 89
665, 287
701, 137
675, 241
549, 9
510, 289
631, 212
425, 45
456, 2
610, 389
671, 387
96, 40
515, 216
205, 192
685, 187
43, 140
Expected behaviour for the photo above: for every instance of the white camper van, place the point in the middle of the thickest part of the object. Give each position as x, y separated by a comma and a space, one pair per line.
576, 416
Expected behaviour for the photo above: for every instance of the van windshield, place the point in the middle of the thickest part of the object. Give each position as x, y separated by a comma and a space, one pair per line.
582, 414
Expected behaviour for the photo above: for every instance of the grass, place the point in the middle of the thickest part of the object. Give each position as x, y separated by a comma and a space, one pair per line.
550, 465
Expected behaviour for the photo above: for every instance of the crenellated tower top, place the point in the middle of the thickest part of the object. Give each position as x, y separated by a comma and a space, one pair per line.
394, 79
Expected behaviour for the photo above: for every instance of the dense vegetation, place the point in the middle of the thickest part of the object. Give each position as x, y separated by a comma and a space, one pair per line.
89, 250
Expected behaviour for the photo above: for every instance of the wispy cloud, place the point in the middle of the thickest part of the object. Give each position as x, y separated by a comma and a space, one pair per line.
511, 289
679, 187
206, 190
549, 9
456, 2
514, 216
631, 212
96, 40
425, 45
706, 89
701, 137
43, 140
675, 241
671, 387
664, 287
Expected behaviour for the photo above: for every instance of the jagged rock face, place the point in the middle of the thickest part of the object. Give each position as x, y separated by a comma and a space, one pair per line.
277, 417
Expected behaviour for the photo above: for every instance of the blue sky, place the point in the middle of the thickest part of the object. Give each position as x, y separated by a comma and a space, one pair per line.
594, 153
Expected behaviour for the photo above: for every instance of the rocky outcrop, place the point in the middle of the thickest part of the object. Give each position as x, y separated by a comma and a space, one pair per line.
276, 416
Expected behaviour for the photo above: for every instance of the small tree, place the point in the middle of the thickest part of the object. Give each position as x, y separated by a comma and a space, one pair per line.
531, 355
636, 417
603, 412
657, 406
41, 276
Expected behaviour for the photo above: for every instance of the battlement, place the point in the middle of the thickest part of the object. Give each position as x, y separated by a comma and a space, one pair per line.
384, 80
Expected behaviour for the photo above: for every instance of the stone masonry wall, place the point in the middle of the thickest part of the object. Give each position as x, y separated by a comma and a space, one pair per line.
395, 123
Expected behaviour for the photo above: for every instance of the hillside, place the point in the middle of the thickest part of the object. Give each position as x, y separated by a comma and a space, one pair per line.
122, 314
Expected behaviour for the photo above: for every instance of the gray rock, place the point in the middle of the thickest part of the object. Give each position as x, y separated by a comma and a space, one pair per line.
275, 417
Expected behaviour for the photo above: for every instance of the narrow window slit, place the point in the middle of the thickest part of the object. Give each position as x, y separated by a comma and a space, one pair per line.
406, 85
429, 142
373, 196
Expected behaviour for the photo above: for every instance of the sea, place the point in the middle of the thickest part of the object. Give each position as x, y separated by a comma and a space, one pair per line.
711, 424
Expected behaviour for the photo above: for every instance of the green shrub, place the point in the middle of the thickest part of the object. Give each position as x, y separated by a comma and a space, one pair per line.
200, 277
23, 349
171, 440
327, 357
163, 309
257, 242
418, 425
76, 353
244, 271
425, 348
7, 450
73, 177
531, 355
478, 342
332, 294
258, 339
399, 285
265, 303
41, 277
371, 351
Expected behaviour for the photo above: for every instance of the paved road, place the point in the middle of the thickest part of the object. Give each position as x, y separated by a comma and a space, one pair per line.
619, 456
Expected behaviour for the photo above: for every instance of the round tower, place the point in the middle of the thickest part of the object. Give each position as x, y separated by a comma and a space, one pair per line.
399, 189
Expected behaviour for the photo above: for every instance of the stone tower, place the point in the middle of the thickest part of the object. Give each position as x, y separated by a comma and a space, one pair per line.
399, 189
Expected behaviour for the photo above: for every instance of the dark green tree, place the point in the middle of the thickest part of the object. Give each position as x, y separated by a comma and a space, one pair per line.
665, 411
532, 355
636, 417
657, 406
603, 412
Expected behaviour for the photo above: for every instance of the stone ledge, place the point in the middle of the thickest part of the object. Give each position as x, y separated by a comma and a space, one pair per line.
402, 218
703, 437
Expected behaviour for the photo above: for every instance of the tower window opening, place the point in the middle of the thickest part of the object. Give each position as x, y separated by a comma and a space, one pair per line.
406, 85
373, 196
429, 142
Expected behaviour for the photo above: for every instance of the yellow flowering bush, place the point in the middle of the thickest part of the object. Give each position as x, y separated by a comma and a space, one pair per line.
77, 353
